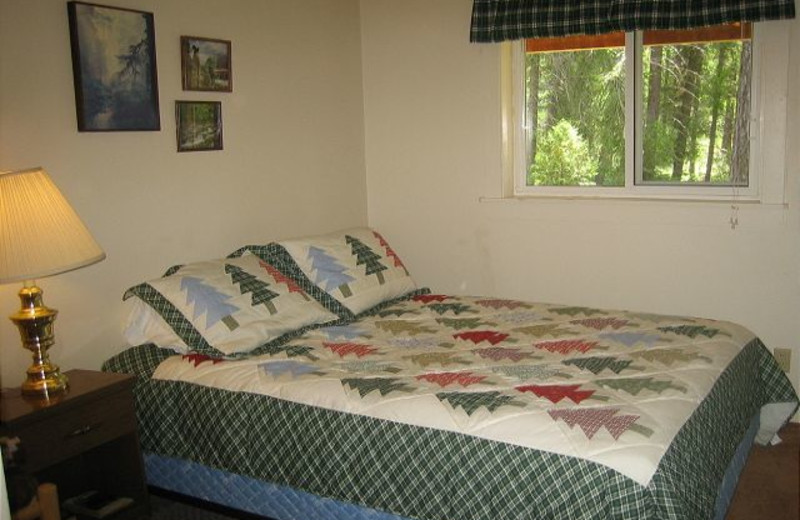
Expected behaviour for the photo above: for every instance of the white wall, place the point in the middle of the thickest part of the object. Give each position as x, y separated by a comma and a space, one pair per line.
293, 161
433, 149
296, 140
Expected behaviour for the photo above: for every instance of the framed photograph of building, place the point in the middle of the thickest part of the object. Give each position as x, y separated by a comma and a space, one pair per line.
198, 125
114, 68
206, 64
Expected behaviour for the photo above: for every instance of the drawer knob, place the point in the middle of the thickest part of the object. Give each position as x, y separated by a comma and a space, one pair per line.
81, 431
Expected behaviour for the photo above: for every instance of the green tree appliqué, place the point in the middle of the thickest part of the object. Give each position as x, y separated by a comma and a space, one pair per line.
472, 401
248, 283
598, 364
366, 256
384, 385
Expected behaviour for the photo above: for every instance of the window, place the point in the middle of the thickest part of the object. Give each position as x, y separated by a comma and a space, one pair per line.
673, 114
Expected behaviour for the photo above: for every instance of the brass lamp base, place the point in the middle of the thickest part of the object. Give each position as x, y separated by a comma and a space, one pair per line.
35, 323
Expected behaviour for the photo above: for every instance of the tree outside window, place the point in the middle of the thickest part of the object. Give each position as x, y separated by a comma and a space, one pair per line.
694, 113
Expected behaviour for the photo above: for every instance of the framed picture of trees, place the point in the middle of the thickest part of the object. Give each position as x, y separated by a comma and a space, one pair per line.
198, 125
114, 68
206, 64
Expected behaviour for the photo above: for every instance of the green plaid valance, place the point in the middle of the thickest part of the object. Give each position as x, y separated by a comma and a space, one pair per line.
500, 20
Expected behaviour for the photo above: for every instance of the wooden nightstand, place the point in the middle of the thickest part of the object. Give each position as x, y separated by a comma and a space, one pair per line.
87, 441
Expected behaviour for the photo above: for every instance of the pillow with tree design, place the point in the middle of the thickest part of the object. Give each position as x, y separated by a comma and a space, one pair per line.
220, 307
356, 267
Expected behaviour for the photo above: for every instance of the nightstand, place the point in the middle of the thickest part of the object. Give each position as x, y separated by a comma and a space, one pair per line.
86, 441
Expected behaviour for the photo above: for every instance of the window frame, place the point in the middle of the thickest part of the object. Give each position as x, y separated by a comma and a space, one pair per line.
769, 87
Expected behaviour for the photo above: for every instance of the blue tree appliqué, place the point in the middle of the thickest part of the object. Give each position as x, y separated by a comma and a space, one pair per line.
329, 272
208, 300
295, 368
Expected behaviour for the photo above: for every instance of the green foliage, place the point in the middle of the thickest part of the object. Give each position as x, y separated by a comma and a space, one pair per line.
564, 159
660, 140
576, 132
717, 90
580, 139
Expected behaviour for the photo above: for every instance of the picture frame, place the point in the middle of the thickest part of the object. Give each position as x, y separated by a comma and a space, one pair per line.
206, 64
198, 125
114, 68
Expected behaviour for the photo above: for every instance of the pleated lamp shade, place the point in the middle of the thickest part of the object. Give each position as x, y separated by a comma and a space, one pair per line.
40, 233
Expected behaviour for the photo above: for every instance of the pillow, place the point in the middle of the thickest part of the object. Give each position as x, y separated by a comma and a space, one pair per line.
356, 267
277, 256
220, 307
145, 325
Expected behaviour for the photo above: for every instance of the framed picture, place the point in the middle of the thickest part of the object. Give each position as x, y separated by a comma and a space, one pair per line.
114, 68
206, 64
199, 125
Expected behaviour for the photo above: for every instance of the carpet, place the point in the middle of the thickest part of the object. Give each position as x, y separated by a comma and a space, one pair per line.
770, 483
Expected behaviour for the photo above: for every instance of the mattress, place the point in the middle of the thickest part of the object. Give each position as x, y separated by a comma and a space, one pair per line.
266, 499
248, 494
454, 407
255, 496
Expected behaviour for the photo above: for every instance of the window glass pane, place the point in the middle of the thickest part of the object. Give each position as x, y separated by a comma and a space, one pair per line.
696, 106
575, 112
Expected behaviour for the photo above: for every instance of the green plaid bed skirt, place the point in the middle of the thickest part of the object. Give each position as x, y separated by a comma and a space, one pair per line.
438, 475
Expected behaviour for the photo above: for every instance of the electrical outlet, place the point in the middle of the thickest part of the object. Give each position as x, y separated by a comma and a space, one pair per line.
784, 358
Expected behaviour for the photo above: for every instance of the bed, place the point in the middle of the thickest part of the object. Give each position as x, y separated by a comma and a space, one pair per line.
311, 378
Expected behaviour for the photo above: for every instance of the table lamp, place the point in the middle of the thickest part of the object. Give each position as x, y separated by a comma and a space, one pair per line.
40, 235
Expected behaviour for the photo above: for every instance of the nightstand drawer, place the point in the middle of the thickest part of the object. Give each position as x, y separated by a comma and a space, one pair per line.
64, 435
83, 440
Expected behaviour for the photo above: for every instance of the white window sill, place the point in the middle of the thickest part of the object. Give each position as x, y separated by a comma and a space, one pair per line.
630, 198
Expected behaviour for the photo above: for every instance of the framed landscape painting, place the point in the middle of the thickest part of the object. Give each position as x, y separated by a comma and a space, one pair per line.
206, 64
198, 125
114, 68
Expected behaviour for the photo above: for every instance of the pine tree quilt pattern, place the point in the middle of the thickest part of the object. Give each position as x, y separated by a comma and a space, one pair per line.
357, 267
221, 307
610, 387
